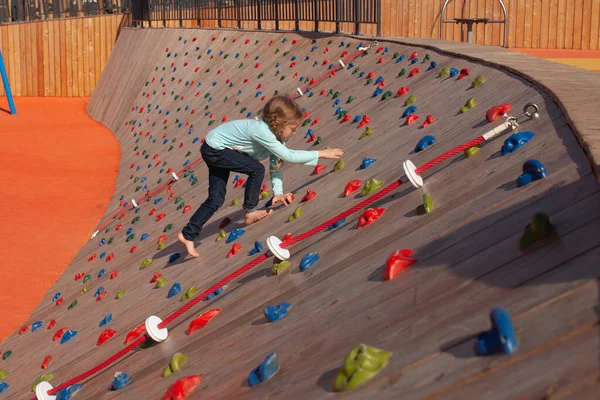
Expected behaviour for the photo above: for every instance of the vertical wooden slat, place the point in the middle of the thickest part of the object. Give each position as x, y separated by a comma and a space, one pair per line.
569, 15
528, 23
586, 24
63, 57
481, 11
553, 25
577, 24
84, 45
97, 51
28, 59
68, 43
545, 24
536, 26
595, 26
79, 67
46, 56
17, 35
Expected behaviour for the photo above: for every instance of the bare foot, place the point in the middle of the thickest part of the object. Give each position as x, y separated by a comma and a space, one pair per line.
189, 245
256, 216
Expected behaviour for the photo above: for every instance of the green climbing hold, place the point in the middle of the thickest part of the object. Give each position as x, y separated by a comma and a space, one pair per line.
297, 214
479, 81
6, 354
350, 99
330, 41
261, 75
368, 132
342, 114
225, 99
356, 70
130, 237
362, 364
279, 266
87, 278
212, 121
188, 154
396, 55
318, 141
120, 294
468, 105
339, 165
73, 304
178, 199
180, 206
411, 99
306, 122
402, 72
315, 64
540, 228
386, 95
471, 151
336, 95
330, 92
444, 72
282, 77
136, 219
426, 58
110, 241
277, 73
177, 362
237, 102
235, 202
265, 195
162, 245
44, 378
369, 81
286, 53
84, 290
170, 148
243, 110
370, 186
160, 282
241, 65
426, 207
146, 262
222, 234
189, 294
159, 181
311, 94
168, 228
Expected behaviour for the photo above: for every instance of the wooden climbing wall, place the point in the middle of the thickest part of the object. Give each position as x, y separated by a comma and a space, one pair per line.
467, 248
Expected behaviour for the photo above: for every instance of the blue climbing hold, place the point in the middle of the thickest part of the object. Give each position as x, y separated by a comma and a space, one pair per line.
501, 338
144, 236
377, 92
68, 335
128, 232
337, 224
173, 257
236, 233
158, 200
515, 141
336, 103
101, 273
308, 260
176, 288
308, 133
453, 72
235, 179
100, 290
366, 162
36, 325
265, 370
533, 170
3, 386
69, 391
425, 142
414, 60
102, 242
400, 59
56, 297
274, 313
432, 66
338, 110
258, 248
121, 380
379, 80
409, 110
361, 74
356, 119
103, 254
105, 320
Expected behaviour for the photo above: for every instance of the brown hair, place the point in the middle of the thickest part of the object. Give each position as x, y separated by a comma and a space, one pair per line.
279, 111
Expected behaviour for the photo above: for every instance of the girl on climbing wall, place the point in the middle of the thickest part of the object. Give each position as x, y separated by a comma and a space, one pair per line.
237, 146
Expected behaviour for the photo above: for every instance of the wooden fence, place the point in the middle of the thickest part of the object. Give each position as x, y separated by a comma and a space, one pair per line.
59, 57
65, 57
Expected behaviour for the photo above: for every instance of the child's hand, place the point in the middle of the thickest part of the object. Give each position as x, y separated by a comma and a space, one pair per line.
331, 153
284, 198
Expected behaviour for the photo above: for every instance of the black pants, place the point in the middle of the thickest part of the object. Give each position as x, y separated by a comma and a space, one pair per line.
220, 163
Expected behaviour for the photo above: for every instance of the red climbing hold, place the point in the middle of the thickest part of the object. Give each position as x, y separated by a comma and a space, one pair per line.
162, 238
379, 50
369, 216
186, 209
413, 72
287, 237
59, 334
381, 84
24, 329
497, 111
402, 91
413, 55
135, 333
79, 275
319, 169
322, 92
155, 277
202, 320
246, 80
239, 183
182, 387
257, 86
101, 295
325, 62
397, 262
113, 275
92, 257
411, 118
310, 194
133, 249
381, 60
105, 336
59, 301
364, 121
429, 120
351, 187
271, 42
160, 216
46, 362
51, 324
370, 75
346, 118
226, 221
311, 138
234, 249
247, 41
315, 121
464, 73
294, 41
257, 65
110, 257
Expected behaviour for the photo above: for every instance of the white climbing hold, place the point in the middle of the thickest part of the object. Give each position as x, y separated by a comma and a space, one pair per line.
175, 176
157, 334
299, 91
413, 177
342, 63
42, 389
274, 244
135, 204
94, 234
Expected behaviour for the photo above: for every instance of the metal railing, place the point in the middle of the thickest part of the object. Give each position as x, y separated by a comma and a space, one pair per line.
36, 10
356, 12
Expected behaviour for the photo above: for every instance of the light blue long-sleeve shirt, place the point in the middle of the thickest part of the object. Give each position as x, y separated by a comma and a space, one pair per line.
254, 137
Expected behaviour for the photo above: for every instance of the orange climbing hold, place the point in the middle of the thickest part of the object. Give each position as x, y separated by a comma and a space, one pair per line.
234, 249
397, 262
369, 216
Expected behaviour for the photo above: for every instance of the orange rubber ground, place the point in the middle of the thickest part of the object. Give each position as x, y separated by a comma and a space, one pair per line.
58, 174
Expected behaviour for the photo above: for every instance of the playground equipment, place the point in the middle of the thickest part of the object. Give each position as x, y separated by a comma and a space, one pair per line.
470, 21
11, 103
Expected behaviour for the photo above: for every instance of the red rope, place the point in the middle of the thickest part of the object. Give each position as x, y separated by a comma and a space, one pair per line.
264, 256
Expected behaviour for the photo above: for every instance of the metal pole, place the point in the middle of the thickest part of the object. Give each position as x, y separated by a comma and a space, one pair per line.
297, 15
316, 14
9, 97
357, 15
258, 6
